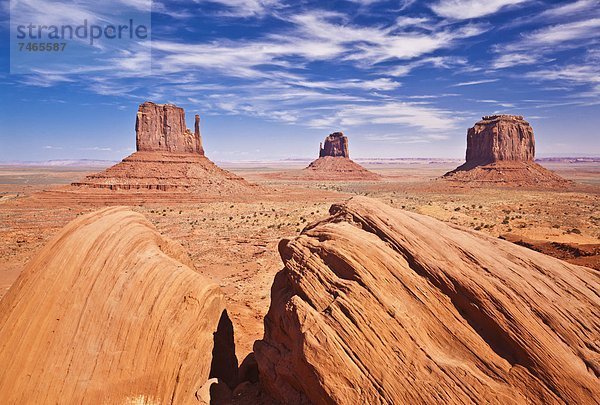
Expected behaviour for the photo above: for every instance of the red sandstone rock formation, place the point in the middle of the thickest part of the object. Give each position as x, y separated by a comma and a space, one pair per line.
168, 158
168, 172
337, 168
109, 311
336, 145
161, 128
333, 164
501, 150
377, 305
508, 174
500, 137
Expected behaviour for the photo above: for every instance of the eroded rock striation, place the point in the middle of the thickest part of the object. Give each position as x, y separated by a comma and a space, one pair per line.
169, 157
336, 145
501, 150
109, 311
377, 305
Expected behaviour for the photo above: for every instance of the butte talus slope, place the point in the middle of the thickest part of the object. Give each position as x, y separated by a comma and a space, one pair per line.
377, 305
334, 163
337, 168
501, 150
109, 311
169, 157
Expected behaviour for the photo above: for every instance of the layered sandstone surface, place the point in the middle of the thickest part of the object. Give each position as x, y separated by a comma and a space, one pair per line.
169, 157
377, 305
501, 150
109, 311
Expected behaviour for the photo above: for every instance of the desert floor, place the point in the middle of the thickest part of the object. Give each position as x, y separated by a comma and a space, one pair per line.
233, 240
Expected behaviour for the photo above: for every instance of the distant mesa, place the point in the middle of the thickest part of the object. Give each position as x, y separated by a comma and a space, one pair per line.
169, 157
501, 149
499, 138
334, 163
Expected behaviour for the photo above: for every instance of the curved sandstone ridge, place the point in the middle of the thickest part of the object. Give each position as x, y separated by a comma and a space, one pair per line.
377, 305
108, 312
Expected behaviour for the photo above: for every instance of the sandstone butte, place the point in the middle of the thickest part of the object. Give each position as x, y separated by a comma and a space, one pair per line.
334, 163
501, 150
380, 306
169, 157
110, 311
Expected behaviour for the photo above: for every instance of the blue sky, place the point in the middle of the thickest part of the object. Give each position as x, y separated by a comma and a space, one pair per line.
271, 78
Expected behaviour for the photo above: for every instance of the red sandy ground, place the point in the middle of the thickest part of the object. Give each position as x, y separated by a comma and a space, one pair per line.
233, 239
